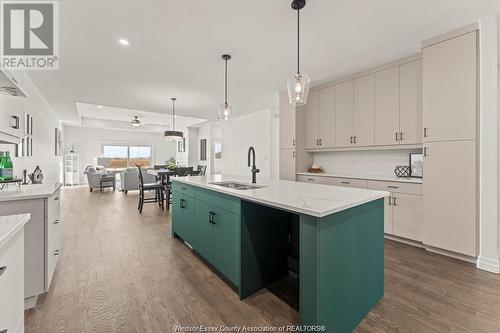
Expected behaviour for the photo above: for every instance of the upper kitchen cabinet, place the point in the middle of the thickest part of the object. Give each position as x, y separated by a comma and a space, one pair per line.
312, 120
450, 89
364, 112
387, 107
320, 118
12, 115
410, 102
287, 123
344, 114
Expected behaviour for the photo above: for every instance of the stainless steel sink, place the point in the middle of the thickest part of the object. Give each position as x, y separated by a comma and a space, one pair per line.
237, 185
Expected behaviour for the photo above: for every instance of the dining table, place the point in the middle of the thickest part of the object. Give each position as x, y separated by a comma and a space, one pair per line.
163, 174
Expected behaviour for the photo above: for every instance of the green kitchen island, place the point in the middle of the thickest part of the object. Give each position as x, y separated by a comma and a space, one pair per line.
244, 235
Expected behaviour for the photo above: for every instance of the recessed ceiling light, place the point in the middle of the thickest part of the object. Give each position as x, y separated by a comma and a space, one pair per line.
99, 106
123, 42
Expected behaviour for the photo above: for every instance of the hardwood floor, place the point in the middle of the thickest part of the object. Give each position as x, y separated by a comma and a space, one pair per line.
122, 272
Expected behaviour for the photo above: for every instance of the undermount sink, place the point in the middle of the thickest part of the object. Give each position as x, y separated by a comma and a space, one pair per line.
237, 185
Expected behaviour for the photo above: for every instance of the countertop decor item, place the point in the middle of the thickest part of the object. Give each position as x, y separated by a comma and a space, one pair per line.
315, 169
402, 171
37, 176
417, 165
173, 135
225, 110
298, 85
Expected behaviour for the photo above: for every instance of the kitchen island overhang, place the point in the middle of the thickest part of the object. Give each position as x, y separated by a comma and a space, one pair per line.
245, 236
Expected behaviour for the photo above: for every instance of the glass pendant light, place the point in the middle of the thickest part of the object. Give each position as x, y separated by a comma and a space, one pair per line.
173, 135
298, 85
225, 110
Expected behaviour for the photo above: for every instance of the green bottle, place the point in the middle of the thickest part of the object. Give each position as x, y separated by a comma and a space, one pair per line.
2, 159
8, 167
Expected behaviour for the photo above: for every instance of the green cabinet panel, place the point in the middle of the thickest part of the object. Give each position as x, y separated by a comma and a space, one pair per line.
183, 188
204, 231
183, 216
227, 244
221, 200
177, 215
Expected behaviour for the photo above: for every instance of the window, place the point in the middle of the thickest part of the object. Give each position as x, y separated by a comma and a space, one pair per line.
114, 156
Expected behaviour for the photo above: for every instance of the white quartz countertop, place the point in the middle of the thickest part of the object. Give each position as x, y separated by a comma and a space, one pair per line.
33, 191
387, 178
10, 225
311, 199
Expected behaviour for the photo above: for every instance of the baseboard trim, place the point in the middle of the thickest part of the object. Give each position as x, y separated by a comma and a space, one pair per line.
488, 264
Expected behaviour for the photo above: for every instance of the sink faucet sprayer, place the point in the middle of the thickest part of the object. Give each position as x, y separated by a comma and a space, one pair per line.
254, 169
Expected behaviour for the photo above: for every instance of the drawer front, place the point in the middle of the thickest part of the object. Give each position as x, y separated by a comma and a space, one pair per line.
183, 188
10, 254
313, 179
52, 258
53, 223
220, 200
53, 201
349, 182
395, 187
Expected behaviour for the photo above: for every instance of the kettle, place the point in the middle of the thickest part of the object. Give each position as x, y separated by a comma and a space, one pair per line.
36, 177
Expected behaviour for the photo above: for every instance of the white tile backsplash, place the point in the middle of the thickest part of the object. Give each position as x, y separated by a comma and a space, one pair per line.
370, 162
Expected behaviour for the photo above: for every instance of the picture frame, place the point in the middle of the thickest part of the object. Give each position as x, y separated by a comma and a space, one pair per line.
417, 165
58, 142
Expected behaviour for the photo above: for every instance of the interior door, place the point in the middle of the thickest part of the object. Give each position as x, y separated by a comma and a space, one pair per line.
287, 122
327, 117
450, 196
410, 102
204, 231
344, 114
364, 111
387, 106
407, 216
450, 89
312, 120
226, 242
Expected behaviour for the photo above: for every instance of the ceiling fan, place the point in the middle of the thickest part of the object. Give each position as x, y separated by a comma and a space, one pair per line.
136, 122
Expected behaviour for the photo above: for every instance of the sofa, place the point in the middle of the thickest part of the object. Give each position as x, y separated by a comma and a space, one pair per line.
130, 179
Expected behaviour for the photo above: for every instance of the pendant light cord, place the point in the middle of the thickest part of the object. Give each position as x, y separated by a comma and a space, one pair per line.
298, 41
173, 114
225, 82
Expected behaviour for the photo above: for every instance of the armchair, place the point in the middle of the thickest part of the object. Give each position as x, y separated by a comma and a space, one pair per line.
99, 179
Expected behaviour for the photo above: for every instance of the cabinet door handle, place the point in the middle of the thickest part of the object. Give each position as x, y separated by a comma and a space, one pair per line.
56, 252
397, 136
2, 270
400, 136
425, 132
310, 179
56, 221
345, 182
181, 203
351, 140
16, 122
56, 198
293, 142
394, 201
294, 154
320, 142
390, 200
425, 151
355, 138
211, 216
392, 186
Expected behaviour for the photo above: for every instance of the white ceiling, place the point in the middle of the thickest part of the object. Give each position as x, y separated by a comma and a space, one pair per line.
175, 48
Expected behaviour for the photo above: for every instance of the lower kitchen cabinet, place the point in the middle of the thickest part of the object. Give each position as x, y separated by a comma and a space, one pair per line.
184, 216
210, 229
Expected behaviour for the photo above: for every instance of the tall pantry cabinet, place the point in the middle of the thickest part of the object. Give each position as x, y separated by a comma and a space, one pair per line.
450, 115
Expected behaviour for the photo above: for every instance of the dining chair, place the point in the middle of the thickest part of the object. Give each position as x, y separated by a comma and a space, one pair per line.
183, 171
143, 188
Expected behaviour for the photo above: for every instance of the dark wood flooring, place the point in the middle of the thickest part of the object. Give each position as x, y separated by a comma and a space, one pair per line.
120, 271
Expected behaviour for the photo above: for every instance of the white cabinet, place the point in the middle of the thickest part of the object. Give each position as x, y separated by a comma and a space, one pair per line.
287, 122
312, 179
364, 111
410, 102
287, 164
450, 89
403, 209
12, 284
71, 169
387, 107
320, 118
312, 120
12, 115
450, 199
327, 117
348, 182
344, 114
